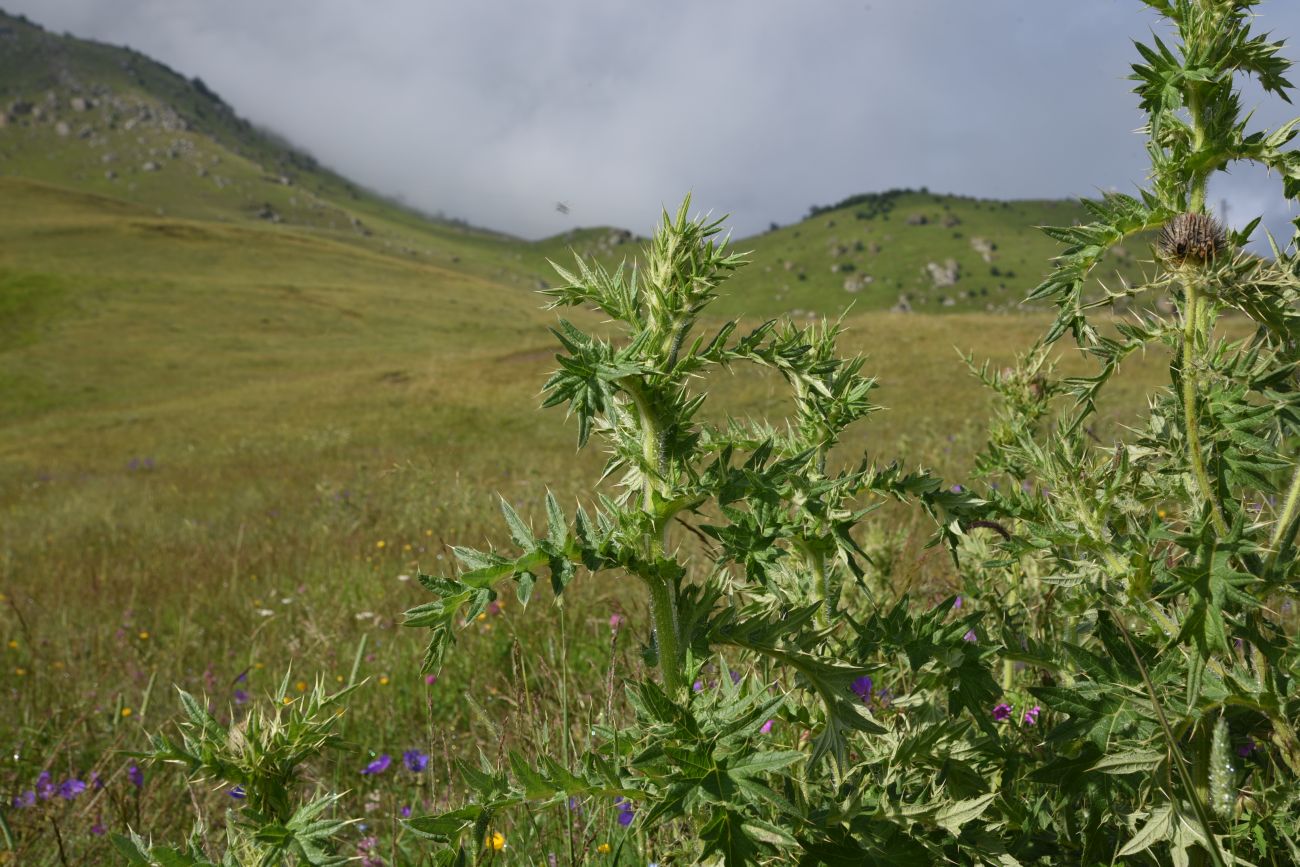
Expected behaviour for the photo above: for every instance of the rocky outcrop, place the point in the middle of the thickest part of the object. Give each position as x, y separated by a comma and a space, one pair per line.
943, 275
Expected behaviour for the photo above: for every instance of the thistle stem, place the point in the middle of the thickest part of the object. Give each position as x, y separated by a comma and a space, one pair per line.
663, 595
1191, 335
667, 624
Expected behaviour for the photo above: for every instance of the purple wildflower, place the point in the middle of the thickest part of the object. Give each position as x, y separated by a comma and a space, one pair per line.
615, 621
1002, 712
70, 788
735, 676
956, 489
765, 728
698, 686
862, 688
378, 766
240, 696
969, 636
26, 799
44, 786
98, 828
135, 775
956, 603
625, 812
238, 793
575, 805
405, 812
430, 679
1031, 715
1247, 748
96, 782
415, 760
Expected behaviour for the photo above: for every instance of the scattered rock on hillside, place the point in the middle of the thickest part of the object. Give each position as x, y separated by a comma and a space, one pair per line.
984, 247
150, 166
946, 274
951, 221
266, 212
904, 305
917, 220
62, 129
78, 104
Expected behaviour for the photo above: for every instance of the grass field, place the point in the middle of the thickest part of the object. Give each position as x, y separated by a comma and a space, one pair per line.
225, 448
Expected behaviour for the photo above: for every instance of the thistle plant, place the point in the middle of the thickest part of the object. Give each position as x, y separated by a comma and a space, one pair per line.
260, 762
741, 534
1161, 565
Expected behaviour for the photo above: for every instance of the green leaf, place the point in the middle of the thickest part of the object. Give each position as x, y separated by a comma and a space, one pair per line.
1130, 762
1159, 827
952, 816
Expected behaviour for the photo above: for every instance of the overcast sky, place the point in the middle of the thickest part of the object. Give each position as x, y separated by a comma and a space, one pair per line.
494, 111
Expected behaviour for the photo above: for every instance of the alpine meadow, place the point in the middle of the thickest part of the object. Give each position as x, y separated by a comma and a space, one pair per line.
926, 530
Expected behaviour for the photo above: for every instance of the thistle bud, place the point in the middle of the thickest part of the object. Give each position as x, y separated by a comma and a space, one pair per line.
1192, 238
1223, 791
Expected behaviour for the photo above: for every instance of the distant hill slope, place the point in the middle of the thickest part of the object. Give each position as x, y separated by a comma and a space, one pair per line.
911, 250
111, 122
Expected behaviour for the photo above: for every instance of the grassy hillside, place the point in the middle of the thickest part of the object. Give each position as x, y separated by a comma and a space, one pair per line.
911, 251
225, 447
109, 121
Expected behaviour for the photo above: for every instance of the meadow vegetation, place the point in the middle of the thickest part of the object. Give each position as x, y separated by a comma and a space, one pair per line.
233, 452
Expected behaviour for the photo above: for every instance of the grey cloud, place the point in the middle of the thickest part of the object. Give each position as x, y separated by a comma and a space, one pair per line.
493, 111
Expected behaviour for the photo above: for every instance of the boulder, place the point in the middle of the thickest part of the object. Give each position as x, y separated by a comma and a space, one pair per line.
946, 274
984, 247
78, 104
62, 129
150, 166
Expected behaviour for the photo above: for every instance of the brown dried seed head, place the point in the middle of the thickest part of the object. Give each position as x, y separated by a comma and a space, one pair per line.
1196, 238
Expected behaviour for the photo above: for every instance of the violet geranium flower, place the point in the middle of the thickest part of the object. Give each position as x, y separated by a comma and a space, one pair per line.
378, 766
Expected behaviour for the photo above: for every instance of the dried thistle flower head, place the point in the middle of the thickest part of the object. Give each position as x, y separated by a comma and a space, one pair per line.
1195, 238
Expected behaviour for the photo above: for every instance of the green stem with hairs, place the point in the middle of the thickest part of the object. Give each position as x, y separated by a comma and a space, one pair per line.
1191, 336
663, 595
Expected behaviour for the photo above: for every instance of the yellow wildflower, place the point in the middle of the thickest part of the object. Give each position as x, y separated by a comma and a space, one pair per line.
406, 547
339, 678
288, 700
144, 635
381, 543
496, 841
20, 671
126, 712
258, 665
383, 681
13, 645
603, 848
428, 532
301, 686
58, 664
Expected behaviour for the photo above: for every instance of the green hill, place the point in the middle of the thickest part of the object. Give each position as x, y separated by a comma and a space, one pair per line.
909, 251
107, 120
